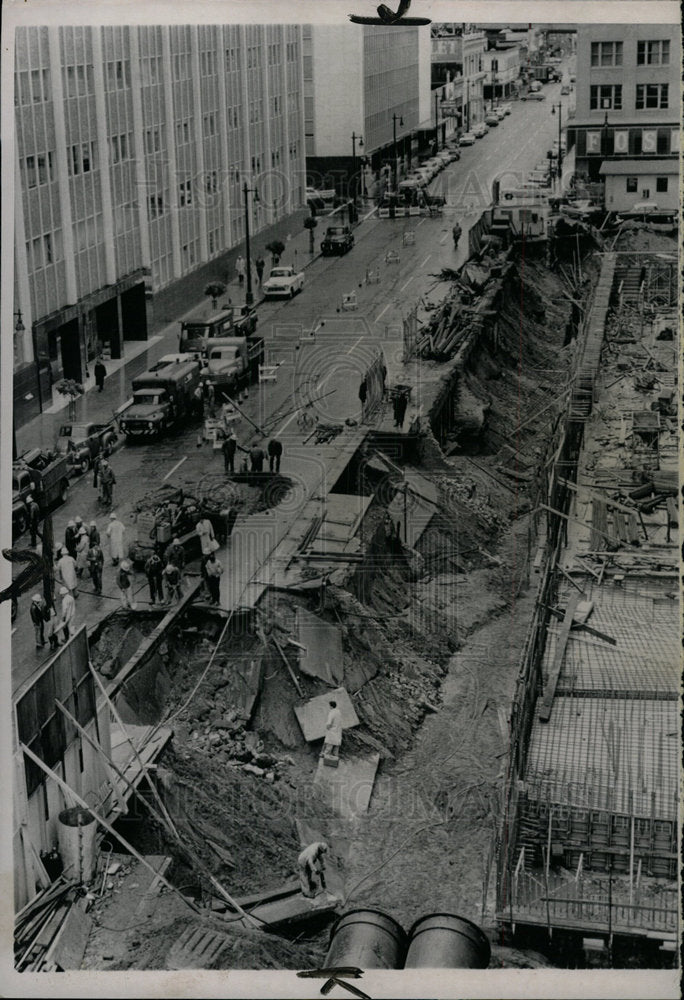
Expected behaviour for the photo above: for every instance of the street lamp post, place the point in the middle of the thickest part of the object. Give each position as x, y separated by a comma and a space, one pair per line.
560, 127
354, 138
468, 105
493, 87
249, 297
394, 148
436, 125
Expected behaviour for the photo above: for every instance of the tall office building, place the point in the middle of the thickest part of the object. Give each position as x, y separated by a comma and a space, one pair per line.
458, 52
133, 145
355, 81
626, 129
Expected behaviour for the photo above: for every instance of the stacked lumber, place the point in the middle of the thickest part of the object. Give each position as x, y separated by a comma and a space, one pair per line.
446, 330
38, 923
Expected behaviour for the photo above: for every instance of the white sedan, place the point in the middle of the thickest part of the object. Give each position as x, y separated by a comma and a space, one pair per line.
283, 281
468, 139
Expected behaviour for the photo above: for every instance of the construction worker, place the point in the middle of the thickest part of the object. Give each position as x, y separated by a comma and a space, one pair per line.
275, 451
333, 732
229, 447
66, 571
311, 865
115, 533
70, 538
34, 519
213, 570
175, 554
125, 585
172, 577
68, 612
153, 571
107, 480
38, 612
94, 533
256, 457
95, 565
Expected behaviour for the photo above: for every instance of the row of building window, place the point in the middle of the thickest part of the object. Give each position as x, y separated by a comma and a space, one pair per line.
81, 158
151, 70
608, 54
208, 63
632, 184
648, 95
181, 66
32, 87
44, 250
38, 169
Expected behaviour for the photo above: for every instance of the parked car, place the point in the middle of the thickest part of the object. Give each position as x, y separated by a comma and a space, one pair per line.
337, 240
445, 156
283, 281
492, 118
434, 200
536, 96
507, 108
565, 89
480, 129
81, 443
499, 112
540, 178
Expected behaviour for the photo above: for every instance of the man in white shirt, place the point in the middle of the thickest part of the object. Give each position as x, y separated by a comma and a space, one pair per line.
333, 732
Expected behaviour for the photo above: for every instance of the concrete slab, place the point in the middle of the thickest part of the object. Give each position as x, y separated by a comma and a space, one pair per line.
313, 714
323, 641
348, 788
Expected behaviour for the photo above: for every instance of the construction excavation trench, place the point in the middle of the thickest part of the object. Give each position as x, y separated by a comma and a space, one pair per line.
419, 636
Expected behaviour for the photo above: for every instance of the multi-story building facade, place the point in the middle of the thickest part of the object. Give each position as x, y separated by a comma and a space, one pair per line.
626, 128
369, 83
458, 54
132, 148
501, 67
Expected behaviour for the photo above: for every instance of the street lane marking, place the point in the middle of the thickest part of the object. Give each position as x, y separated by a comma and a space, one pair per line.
383, 312
426, 260
444, 239
171, 471
354, 345
407, 283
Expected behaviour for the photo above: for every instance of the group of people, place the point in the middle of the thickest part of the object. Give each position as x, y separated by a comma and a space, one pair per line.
257, 455
241, 269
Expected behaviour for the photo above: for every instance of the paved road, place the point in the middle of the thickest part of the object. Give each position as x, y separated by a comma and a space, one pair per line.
335, 363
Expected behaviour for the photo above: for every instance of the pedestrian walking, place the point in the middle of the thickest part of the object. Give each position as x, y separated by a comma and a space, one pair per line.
399, 406
107, 481
70, 538
260, 265
205, 531
383, 376
53, 628
100, 374
125, 585
229, 448
94, 533
333, 731
256, 457
275, 451
66, 571
38, 612
96, 565
33, 519
82, 547
175, 554
198, 403
97, 464
153, 571
363, 392
240, 269
172, 578
311, 868
213, 570
68, 621
115, 533
230, 515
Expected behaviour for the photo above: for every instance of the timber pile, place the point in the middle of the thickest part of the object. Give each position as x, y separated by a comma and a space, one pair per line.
447, 328
38, 923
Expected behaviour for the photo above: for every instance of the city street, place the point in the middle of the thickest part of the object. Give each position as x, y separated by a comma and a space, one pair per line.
331, 367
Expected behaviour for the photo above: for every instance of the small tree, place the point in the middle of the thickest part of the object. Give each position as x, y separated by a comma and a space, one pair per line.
214, 290
72, 390
310, 223
276, 248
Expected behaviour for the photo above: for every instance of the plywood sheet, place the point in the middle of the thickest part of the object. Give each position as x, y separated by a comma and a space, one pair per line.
323, 642
348, 787
312, 715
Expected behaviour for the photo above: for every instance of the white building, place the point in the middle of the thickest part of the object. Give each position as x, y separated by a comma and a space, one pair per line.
362, 87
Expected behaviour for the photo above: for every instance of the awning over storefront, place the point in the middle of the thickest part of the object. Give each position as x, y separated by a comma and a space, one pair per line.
643, 166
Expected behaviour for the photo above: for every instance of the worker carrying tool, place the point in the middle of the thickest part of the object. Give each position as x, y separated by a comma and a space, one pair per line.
311, 864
